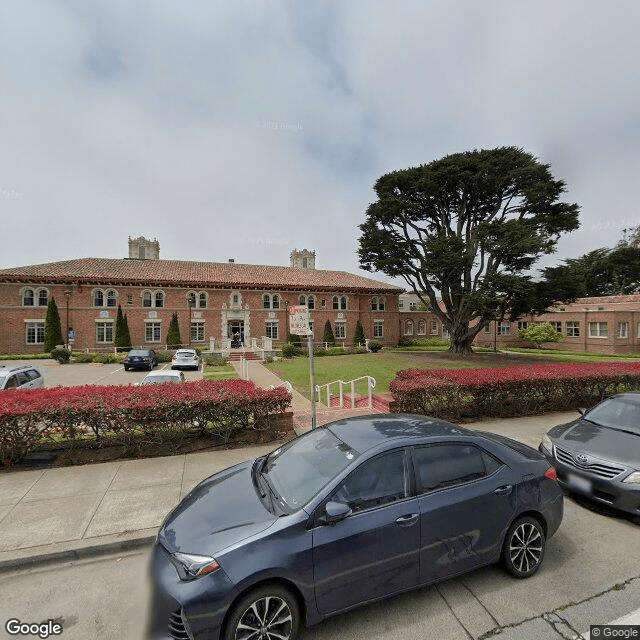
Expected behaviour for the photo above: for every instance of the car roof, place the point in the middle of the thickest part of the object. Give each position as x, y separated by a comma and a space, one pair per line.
364, 432
7, 369
185, 351
163, 372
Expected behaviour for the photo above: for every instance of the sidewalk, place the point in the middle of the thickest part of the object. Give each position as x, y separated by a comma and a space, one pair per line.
72, 512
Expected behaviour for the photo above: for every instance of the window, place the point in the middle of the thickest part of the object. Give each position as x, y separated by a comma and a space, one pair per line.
408, 328
433, 327
522, 325
111, 298
266, 301
341, 330
378, 329
377, 304
129, 299
572, 329
302, 301
35, 332
43, 298
311, 302
598, 330
340, 302
375, 483
487, 328
557, 326
197, 332
270, 301
159, 299
413, 306
623, 329
422, 328
202, 300
275, 301
146, 299
197, 301
28, 298
98, 298
191, 300
505, 328
400, 304
272, 330
441, 466
152, 331
104, 331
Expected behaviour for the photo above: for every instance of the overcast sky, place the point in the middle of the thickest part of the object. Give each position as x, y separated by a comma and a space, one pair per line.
247, 129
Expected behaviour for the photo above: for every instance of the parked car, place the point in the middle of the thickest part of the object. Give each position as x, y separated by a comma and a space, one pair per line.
185, 359
140, 359
346, 514
598, 455
20, 377
164, 375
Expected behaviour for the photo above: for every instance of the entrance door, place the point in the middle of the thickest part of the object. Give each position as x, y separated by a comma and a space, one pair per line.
235, 331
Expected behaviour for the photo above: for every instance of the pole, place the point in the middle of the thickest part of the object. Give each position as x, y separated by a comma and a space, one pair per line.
312, 375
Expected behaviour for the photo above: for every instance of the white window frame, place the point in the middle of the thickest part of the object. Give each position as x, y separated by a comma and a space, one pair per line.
103, 328
572, 329
378, 328
31, 297
197, 331
45, 302
433, 327
271, 329
504, 329
422, 327
622, 329
36, 329
150, 328
341, 330
598, 330
408, 327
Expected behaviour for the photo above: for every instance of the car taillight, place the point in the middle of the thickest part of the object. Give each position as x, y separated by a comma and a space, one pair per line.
551, 474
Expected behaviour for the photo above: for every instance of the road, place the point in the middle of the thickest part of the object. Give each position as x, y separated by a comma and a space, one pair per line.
591, 575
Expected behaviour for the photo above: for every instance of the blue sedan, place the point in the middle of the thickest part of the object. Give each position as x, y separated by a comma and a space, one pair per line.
347, 514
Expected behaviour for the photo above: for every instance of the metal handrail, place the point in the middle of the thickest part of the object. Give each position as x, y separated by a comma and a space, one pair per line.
286, 384
371, 384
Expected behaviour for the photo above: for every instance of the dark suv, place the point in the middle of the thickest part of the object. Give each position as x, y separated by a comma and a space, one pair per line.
140, 359
21, 377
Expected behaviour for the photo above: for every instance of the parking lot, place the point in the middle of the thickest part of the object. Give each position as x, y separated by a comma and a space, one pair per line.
73, 375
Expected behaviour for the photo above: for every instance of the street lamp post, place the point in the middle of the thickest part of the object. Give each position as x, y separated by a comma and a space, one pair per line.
67, 296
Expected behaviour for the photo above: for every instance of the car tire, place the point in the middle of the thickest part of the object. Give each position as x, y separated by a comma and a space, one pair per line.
524, 547
126, 368
269, 608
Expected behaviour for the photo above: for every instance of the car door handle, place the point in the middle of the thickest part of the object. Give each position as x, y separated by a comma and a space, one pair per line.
408, 520
505, 490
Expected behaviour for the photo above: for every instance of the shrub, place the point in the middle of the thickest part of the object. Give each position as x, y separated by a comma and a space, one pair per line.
61, 355
359, 337
173, 334
289, 350
83, 357
328, 336
513, 391
375, 345
165, 356
294, 339
539, 333
52, 328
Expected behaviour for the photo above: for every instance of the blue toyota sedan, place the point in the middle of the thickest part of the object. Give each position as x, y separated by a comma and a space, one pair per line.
347, 514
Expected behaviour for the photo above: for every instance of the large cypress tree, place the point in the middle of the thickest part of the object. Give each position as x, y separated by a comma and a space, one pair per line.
52, 327
328, 336
173, 335
359, 338
127, 335
122, 337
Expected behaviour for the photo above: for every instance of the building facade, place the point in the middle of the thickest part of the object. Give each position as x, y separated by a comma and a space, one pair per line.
213, 301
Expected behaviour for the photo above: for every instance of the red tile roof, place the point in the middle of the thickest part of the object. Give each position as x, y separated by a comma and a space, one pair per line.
200, 274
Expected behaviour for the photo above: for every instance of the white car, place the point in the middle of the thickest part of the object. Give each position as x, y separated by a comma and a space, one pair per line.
163, 375
185, 359
20, 377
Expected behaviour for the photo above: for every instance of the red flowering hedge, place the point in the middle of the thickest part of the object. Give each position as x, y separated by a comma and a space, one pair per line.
512, 391
217, 407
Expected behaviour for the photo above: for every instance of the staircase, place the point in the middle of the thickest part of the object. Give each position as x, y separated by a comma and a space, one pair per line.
235, 355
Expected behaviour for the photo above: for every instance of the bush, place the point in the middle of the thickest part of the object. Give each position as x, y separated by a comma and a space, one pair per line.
218, 408
424, 342
61, 355
512, 391
165, 356
83, 357
375, 345
289, 350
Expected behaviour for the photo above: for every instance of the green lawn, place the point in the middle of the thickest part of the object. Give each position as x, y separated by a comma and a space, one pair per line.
220, 372
384, 365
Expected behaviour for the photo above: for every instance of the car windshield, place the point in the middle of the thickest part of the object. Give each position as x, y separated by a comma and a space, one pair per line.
138, 353
159, 379
617, 413
185, 354
299, 469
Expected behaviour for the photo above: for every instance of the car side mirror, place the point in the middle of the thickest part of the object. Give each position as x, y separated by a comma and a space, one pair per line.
336, 511
582, 411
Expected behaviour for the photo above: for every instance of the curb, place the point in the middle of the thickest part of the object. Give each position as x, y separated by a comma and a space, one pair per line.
81, 553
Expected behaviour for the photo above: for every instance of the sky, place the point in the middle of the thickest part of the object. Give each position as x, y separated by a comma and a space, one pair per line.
245, 130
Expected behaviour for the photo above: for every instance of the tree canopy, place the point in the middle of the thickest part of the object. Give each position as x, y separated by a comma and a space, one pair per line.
464, 231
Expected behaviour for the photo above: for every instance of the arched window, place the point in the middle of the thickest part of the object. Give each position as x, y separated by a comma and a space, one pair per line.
380, 304
422, 327
203, 300
302, 301
111, 298
146, 299
28, 299
266, 301
43, 298
191, 300
311, 302
343, 302
408, 328
336, 302
275, 301
98, 298
159, 299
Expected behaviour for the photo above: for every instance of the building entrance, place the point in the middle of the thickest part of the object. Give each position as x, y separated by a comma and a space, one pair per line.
235, 332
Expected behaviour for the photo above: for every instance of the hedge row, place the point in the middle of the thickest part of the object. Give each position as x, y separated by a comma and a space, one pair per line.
220, 408
512, 391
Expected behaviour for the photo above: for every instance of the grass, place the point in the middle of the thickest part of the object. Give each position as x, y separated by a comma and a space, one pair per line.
384, 365
220, 372
559, 355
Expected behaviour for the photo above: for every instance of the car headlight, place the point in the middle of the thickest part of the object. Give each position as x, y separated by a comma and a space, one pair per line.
194, 566
633, 477
547, 444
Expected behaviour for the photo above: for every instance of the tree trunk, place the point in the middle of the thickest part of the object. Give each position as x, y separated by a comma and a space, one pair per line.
461, 340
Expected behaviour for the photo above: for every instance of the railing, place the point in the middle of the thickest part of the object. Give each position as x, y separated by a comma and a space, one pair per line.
371, 384
286, 384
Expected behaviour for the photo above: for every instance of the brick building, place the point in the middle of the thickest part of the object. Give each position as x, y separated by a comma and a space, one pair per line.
214, 301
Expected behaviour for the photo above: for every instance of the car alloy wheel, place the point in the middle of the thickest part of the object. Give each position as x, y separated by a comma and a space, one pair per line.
524, 547
269, 613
